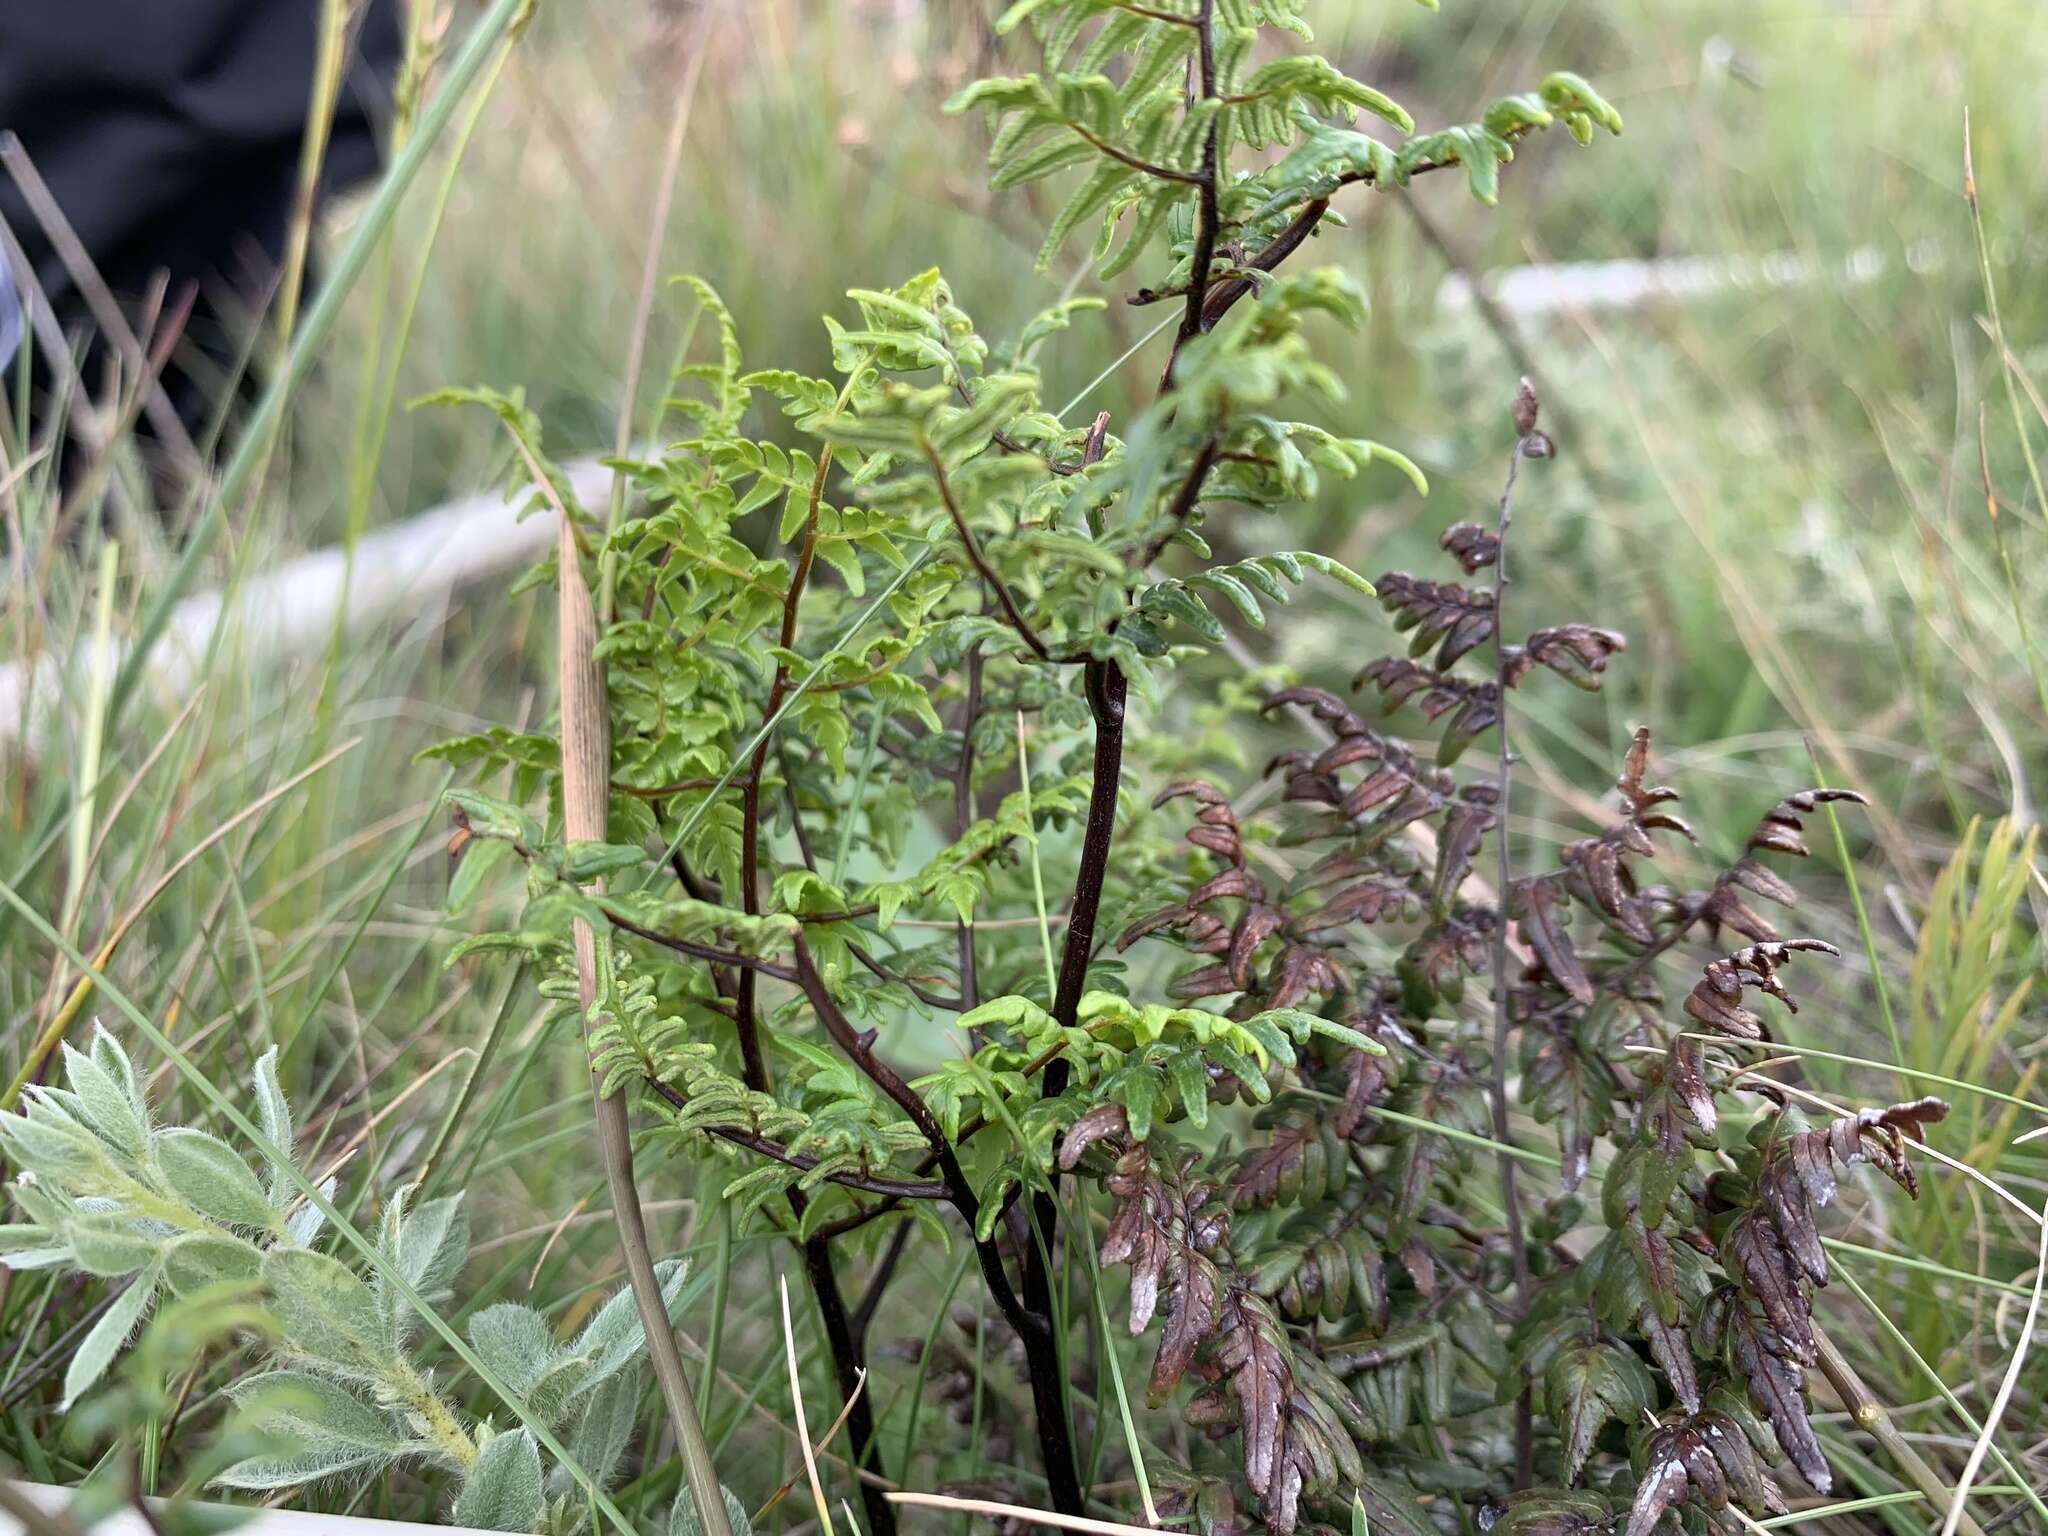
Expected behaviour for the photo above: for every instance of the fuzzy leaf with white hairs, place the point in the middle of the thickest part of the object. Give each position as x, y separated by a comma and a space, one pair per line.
107, 1100
274, 1119
210, 1177
328, 1314
425, 1246
97, 1349
201, 1259
334, 1430
503, 1490
682, 1514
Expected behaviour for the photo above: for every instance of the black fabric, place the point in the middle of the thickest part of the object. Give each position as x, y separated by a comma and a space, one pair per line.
169, 131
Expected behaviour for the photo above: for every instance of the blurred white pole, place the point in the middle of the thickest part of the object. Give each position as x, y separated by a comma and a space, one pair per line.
408, 569
128, 1521
417, 566
1559, 287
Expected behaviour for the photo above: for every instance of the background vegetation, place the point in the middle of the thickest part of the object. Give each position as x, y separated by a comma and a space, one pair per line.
1776, 487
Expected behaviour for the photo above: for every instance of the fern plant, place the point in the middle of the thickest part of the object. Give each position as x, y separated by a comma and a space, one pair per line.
906, 597
985, 559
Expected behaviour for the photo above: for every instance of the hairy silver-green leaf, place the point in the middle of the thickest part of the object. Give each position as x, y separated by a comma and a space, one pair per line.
108, 1102
614, 1339
29, 1246
108, 1243
515, 1342
426, 1246
274, 1119
327, 1313
682, 1514
606, 1428
210, 1176
503, 1489
200, 1259
97, 1349
334, 1430
264, 1474
48, 1141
